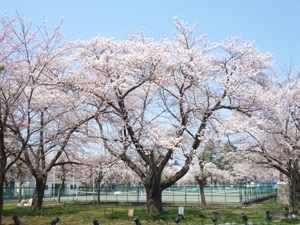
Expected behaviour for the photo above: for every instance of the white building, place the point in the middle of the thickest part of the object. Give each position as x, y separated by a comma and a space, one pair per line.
71, 187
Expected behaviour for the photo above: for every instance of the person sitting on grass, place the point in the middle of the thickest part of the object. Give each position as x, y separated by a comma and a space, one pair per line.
23, 201
29, 203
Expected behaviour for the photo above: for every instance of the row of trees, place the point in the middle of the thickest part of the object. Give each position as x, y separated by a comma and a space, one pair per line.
96, 169
147, 101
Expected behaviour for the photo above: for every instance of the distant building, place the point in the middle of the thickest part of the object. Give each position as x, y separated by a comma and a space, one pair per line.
71, 187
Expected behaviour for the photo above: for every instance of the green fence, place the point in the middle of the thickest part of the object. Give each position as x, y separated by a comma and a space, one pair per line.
238, 194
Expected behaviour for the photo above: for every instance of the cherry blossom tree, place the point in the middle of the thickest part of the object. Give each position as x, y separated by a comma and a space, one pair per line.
161, 99
99, 167
18, 172
63, 171
49, 119
255, 172
203, 171
272, 134
103, 168
119, 172
208, 155
93, 169
10, 91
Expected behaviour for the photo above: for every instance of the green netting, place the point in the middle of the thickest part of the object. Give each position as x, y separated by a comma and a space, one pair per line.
175, 194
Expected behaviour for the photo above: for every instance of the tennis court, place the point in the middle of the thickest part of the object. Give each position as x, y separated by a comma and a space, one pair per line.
186, 194
236, 194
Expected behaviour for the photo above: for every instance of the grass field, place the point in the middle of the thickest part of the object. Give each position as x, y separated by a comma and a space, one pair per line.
78, 213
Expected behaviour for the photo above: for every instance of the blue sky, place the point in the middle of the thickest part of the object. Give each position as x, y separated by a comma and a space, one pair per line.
273, 24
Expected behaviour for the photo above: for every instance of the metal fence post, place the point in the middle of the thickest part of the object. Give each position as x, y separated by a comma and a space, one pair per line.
184, 195
127, 192
173, 195
211, 194
199, 195
225, 193
240, 194
138, 193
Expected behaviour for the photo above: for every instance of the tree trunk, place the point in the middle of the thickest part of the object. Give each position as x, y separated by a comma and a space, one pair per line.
38, 194
201, 180
3, 161
293, 191
201, 184
98, 181
154, 195
295, 188
20, 187
59, 189
294, 181
297, 192
297, 182
1, 196
98, 192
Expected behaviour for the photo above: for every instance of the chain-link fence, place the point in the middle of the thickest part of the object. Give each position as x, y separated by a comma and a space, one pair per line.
175, 194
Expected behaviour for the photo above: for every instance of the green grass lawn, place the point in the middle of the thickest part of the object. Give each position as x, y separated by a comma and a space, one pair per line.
75, 213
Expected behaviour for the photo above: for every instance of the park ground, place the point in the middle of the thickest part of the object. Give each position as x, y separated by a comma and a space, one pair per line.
76, 213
